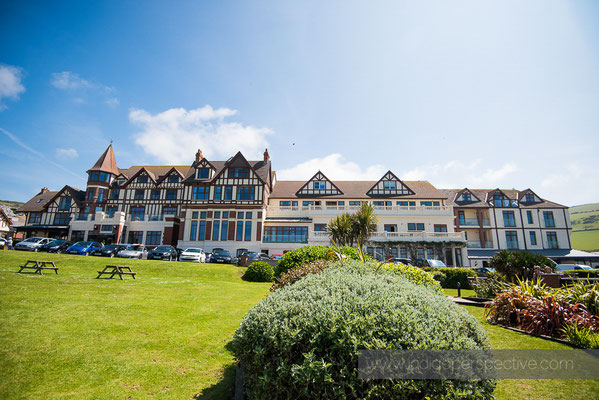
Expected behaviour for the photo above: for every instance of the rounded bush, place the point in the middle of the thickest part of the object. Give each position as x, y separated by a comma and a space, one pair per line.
259, 271
306, 254
302, 341
455, 275
414, 274
297, 273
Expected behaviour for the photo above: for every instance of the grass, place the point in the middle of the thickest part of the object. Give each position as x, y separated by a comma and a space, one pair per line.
585, 227
164, 335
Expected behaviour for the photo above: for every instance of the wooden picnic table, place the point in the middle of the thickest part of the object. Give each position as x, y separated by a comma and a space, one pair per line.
114, 270
39, 266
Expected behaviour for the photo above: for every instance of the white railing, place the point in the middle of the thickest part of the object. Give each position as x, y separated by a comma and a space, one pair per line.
332, 210
401, 236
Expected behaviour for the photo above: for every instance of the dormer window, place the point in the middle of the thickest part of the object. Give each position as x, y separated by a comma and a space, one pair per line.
121, 181
142, 179
466, 197
173, 178
389, 185
529, 198
239, 172
319, 185
203, 173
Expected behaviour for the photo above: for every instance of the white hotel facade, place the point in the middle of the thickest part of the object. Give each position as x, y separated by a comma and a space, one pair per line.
239, 205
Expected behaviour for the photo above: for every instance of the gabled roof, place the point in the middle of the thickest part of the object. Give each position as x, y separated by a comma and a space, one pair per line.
75, 194
319, 176
400, 190
5, 217
138, 173
239, 160
170, 172
461, 192
522, 195
106, 162
511, 194
38, 202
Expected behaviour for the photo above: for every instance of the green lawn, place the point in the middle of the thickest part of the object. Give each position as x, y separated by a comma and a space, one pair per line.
164, 335
585, 227
586, 240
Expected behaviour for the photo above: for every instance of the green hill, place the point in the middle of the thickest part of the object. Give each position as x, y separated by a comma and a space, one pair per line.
11, 203
585, 227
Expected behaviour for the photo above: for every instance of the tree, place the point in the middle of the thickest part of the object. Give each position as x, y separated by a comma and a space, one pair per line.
364, 224
347, 229
519, 264
340, 229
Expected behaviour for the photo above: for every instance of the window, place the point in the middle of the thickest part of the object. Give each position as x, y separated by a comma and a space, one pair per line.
403, 252
355, 203
171, 194
248, 215
154, 194
203, 173
552, 240
440, 228
426, 203
142, 179
245, 193
217, 215
173, 178
239, 230
106, 228
136, 237
215, 230
529, 216
225, 214
137, 213
193, 232
202, 231
224, 231
239, 172
285, 234
415, 226
462, 217
466, 197
61, 218
533, 238
153, 237
101, 194
284, 204
114, 194
530, 198
203, 215
121, 181
76, 236
420, 254
169, 210
139, 194
96, 176
389, 185
548, 217
458, 257
320, 227
508, 218
394, 252
248, 230
218, 193
228, 193
511, 238
319, 185
201, 193
430, 254
110, 211
435, 204
382, 203
240, 215
390, 228
195, 214
65, 203
90, 195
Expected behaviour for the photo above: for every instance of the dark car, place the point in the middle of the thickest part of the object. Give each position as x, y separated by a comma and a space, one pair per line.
429, 263
163, 253
222, 256
252, 257
406, 261
55, 246
482, 271
110, 250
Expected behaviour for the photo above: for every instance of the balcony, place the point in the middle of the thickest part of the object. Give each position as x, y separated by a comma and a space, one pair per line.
321, 236
285, 239
332, 211
479, 245
473, 222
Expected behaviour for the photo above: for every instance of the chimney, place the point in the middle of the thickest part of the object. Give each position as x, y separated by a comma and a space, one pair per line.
199, 156
266, 156
44, 190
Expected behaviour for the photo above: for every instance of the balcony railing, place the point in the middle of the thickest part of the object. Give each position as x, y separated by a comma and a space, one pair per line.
145, 217
333, 210
473, 222
401, 236
285, 239
478, 245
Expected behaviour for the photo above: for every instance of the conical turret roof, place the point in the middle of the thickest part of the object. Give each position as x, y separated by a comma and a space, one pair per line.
106, 162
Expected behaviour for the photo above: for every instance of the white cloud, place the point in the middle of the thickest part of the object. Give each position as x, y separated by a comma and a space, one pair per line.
67, 153
10, 83
335, 167
68, 80
174, 135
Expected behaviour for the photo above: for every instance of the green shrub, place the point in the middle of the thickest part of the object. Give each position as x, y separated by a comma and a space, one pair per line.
413, 274
455, 275
582, 273
259, 271
584, 293
439, 276
297, 273
302, 341
489, 287
581, 337
307, 254
519, 264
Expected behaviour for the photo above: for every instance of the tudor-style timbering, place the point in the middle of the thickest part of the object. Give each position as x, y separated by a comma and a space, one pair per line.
238, 205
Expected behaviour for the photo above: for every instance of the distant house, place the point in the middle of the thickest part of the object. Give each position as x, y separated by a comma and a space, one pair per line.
5, 224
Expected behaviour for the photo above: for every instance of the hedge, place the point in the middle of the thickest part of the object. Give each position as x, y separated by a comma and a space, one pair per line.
297, 273
306, 254
455, 275
414, 274
302, 341
259, 271
582, 273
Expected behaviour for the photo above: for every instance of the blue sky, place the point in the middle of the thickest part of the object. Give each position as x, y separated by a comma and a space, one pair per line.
467, 93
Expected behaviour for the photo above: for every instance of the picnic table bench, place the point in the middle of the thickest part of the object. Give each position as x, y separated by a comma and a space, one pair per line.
39, 266
114, 270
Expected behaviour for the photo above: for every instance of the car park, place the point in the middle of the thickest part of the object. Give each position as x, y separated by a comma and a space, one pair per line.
133, 251
221, 256
110, 250
193, 254
163, 253
56, 246
32, 243
83, 248
572, 267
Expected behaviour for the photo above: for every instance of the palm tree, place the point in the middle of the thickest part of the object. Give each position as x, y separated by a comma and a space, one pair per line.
364, 225
340, 229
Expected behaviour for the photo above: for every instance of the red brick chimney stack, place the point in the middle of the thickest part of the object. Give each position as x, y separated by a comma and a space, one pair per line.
199, 156
266, 156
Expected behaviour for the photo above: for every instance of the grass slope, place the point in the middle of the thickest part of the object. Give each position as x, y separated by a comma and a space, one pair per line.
11, 203
585, 227
164, 335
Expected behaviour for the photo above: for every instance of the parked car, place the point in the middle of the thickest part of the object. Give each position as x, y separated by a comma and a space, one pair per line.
32, 243
193, 254
276, 257
110, 250
133, 251
84, 248
3, 242
56, 246
482, 271
572, 267
253, 257
221, 256
163, 253
406, 261
208, 256
429, 263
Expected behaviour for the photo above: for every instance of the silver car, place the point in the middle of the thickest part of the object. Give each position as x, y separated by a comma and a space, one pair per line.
32, 243
132, 251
